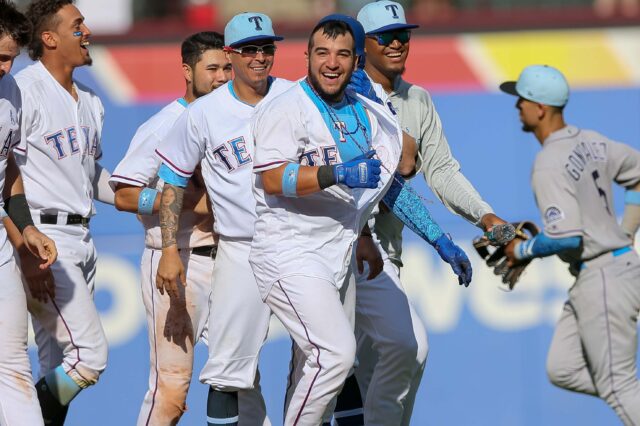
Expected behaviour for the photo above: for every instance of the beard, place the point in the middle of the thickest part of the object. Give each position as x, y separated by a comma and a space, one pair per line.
330, 97
526, 128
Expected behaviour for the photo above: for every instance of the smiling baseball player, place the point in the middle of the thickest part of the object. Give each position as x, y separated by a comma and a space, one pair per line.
60, 144
18, 399
216, 130
174, 325
594, 346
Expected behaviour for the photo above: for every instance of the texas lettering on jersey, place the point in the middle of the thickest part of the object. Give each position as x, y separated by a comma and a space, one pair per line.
233, 154
327, 154
65, 142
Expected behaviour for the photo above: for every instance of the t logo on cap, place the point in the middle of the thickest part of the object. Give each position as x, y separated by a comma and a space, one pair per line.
394, 9
256, 20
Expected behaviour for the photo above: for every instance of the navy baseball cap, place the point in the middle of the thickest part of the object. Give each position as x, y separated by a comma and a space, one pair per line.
247, 27
356, 29
382, 16
540, 83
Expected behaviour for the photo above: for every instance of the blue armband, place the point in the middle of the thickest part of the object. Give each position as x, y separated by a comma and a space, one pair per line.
541, 246
146, 200
171, 177
408, 207
632, 197
290, 180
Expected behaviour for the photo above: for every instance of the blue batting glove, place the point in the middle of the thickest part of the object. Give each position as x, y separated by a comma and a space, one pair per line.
456, 257
361, 84
361, 172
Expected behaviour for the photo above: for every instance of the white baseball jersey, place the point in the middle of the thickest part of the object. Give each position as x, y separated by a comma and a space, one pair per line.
60, 143
312, 235
140, 166
10, 114
216, 127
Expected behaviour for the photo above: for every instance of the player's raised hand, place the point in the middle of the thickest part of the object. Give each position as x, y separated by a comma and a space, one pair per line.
170, 272
361, 172
456, 257
40, 245
361, 84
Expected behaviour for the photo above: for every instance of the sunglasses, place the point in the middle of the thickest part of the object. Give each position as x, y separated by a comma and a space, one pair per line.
252, 50
385, 39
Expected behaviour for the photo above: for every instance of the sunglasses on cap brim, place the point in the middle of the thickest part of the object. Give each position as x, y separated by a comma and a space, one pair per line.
250, 49
385, 39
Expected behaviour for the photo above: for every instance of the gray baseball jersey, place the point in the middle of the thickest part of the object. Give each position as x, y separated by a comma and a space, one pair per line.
571, 179
418, 118
594, 346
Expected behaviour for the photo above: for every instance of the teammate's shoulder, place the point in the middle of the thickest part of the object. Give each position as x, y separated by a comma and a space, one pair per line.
414, 91
168, 114
30, 75
287, 99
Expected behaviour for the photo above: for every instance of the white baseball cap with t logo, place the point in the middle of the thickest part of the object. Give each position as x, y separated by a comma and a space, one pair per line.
540, 83
248, 27
382, 16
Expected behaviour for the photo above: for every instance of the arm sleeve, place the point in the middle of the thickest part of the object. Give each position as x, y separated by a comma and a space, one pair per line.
542, 246
407, 206
624, 164
102, 191
184, 146
140, 165
278, 134
442, 171
557, 201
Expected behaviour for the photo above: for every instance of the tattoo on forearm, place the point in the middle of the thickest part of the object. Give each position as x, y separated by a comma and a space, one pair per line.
170, 208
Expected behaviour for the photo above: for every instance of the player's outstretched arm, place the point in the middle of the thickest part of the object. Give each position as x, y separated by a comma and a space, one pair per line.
102, 191
294, 180
170, 269
408, 207
136, 199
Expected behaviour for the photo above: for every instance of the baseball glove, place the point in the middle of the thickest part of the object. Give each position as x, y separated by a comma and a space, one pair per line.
495, 257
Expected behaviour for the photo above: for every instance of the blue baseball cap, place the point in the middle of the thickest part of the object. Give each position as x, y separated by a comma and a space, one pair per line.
382, 16
540, 83
247, 27
356, 29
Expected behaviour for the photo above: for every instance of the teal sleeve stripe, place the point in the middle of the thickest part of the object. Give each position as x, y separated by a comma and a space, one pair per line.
541, 246
632, 197
171, 177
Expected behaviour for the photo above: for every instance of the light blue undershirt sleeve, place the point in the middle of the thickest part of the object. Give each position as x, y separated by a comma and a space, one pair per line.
407, 206
171, 177
541, 246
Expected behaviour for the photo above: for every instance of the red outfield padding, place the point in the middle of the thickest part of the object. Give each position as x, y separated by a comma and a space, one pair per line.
155, 73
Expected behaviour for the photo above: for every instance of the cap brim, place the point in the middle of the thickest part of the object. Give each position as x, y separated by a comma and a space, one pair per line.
393, 27
256, 38
509, 87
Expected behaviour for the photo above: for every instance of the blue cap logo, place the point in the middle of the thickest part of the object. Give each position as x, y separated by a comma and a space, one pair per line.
249, 27
540, 83
382, 16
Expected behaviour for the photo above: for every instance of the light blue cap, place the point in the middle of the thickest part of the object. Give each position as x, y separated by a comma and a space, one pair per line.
382, 16
540, 83
247, 27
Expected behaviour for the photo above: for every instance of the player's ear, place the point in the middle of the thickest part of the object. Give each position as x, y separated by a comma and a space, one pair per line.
306, 58
187, 72
49, 39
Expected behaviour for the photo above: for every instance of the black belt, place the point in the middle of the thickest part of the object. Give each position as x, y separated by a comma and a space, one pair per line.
207, 251
72, 219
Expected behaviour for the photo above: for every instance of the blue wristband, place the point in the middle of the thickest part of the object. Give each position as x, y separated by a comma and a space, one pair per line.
146, 200
632, 197
290, 180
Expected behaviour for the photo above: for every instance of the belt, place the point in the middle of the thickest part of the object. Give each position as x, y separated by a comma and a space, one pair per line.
207, 251
72, 219
615, 253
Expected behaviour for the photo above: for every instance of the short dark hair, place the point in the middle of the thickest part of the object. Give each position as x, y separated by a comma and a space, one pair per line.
14, 24
196, 44
332, 29
42, 14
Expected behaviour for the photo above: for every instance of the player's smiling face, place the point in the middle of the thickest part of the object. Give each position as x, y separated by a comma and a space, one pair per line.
9, 50
210, 72
389, 59
72, 37
331, 62
252, 69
